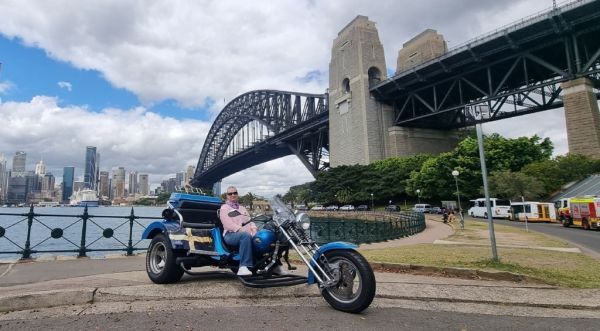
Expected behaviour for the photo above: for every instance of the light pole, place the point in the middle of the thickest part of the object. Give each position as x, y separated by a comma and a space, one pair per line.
486, 191
372, 204
418, 195
455, 173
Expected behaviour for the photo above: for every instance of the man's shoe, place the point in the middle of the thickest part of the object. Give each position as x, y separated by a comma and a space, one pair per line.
243, 271
278, 270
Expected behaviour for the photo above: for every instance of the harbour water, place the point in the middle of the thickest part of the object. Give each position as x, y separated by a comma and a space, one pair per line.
15, 230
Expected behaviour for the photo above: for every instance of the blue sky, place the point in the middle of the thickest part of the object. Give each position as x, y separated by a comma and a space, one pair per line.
35, 73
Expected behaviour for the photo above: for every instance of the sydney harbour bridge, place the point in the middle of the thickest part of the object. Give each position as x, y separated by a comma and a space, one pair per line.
515, 70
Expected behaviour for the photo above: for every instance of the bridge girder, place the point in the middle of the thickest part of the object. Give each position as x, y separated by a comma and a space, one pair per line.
511, 72
282, 123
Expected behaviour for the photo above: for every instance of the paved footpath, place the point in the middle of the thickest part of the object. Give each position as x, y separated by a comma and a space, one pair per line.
90, 286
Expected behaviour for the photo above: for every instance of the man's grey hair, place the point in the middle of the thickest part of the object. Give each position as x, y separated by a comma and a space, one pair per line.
232, 187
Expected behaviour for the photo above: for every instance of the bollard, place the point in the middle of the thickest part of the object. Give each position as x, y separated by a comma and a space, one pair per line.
84, 218
27, 250
130, 243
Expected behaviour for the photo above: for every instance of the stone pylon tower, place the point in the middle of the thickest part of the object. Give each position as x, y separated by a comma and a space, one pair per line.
582, 117
358, 124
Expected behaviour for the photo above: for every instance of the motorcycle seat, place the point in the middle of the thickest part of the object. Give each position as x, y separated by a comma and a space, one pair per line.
198, 214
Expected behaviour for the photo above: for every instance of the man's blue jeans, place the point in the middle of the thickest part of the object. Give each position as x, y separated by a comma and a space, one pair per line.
244, 240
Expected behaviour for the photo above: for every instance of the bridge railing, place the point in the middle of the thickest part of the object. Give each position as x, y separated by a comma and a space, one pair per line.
359, 228
30, 233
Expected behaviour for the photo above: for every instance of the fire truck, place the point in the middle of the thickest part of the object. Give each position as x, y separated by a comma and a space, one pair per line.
585, 212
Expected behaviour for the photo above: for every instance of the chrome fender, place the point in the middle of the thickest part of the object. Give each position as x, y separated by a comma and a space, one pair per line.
336, 245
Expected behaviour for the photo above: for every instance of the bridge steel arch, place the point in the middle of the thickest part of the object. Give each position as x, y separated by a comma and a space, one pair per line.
295, 123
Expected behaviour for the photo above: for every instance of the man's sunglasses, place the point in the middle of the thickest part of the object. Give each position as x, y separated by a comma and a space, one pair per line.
232, 193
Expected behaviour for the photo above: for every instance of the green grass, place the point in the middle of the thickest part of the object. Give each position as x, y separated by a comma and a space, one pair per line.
557, 268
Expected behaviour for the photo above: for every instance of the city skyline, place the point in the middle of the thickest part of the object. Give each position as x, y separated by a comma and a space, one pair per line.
152, 116
181, 177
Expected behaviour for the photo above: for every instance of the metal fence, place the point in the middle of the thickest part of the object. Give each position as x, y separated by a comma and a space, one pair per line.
381, 227
80, 233
90, 231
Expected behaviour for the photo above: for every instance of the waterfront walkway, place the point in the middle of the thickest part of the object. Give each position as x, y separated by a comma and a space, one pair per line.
88, 286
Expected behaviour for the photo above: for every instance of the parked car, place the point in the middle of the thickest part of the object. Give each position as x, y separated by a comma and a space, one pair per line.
332, 208
436, 210
301, 207
392, 208
318, 207
362, 208
347, 208
422, 208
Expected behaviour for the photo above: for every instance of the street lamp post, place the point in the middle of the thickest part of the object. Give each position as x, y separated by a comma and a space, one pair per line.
455, 173
418, 195
372, 204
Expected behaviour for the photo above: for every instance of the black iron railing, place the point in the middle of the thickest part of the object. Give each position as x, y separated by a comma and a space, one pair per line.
87, 238
324, 228
379, 227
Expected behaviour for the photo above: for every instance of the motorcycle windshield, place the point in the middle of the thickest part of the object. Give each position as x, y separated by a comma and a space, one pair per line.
281, 212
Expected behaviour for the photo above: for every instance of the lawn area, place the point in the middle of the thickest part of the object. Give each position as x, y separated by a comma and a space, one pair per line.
552, 267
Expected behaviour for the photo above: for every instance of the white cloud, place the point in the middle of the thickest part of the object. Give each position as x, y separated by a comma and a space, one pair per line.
135, 138
270, 178
6, 86
65, 85
194, 51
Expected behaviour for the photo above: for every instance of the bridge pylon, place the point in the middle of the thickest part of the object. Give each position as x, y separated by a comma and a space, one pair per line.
582, 117
361, 128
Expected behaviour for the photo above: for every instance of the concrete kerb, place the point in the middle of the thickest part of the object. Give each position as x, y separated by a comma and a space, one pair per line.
46, 299
453, 272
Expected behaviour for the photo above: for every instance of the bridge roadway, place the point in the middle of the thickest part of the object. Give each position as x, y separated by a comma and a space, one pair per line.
116, 293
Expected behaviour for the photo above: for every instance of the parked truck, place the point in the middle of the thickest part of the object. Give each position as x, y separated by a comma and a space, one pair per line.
583, 212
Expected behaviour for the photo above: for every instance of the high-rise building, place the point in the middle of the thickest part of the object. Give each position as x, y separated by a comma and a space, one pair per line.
20, 186
104, 185
19, 161
89, 172
118, 182
48, 182
78, 185
40, 168
67, 183
133, 183
179, 179
97, 177
189, 173
3, 177
144, 184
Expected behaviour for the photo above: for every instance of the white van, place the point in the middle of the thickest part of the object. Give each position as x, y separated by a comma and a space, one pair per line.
422, 208
500, 208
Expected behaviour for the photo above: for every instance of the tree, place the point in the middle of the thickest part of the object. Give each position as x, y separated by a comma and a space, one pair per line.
514, 185
247, 199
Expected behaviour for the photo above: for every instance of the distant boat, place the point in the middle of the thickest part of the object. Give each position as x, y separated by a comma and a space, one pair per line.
83, 198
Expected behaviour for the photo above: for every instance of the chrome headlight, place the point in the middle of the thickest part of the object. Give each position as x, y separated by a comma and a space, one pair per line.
303, 220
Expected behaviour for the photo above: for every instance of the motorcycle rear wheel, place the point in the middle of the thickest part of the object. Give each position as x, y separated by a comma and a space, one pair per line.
356, 288
160, 261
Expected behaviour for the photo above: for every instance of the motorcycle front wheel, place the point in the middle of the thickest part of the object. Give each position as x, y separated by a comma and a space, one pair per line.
356, 289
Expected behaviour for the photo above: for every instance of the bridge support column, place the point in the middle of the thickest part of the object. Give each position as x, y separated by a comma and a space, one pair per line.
582, 117
357, 121
410, 141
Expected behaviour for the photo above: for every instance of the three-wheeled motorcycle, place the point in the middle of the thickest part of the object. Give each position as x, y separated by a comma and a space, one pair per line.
190, 235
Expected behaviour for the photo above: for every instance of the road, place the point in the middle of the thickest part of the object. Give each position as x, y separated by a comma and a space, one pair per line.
588, 240
304, 317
